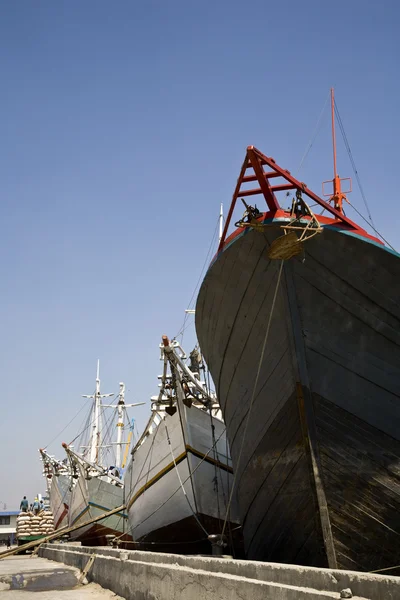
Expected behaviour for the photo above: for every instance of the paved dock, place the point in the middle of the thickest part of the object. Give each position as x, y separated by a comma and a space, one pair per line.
22, 577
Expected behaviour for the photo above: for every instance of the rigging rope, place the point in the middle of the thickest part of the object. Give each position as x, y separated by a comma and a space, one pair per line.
183, 327
89, 424
353, 164
315, 133
216, 458
253, 394
368, 223
67, 425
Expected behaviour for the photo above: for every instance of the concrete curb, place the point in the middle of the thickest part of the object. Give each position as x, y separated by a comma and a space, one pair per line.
137, 575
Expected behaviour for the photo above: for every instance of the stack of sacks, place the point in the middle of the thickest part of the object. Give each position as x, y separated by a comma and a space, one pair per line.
46, 523
23, 524
30, 524
35, 525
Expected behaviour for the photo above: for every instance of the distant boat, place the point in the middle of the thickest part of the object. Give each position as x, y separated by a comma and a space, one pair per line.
313, 418
97, 487
178, 483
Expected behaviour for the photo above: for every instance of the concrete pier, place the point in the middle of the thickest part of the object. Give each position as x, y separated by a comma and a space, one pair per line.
136, 575
31, 578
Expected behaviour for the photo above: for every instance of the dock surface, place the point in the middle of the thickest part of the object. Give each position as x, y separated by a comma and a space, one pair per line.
22, 577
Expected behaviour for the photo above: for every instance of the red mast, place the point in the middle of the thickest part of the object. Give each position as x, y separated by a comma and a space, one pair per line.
338, 196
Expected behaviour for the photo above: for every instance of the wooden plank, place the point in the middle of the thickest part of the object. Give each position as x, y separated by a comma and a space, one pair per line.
357, 461
87, 568
372, 441
60, 532
358, 492
269, 451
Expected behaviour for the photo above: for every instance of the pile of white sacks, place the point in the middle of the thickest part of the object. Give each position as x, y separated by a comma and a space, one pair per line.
31, 524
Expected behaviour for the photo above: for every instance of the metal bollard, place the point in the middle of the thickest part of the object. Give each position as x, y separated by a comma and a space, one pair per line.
217, 544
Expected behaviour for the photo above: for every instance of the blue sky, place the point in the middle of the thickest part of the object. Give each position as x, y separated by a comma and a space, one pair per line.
123, 126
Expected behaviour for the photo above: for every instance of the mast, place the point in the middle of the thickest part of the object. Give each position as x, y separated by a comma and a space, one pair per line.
120, 424
221, 222
95, 449
338, 195
95, 441
121, 410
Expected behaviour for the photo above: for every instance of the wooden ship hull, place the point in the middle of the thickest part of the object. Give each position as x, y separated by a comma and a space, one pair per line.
58, 482
179, 480
60, 497
318, 477
90, 498
169, 456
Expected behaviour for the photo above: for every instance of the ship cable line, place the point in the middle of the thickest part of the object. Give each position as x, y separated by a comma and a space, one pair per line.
353, 164
254, 393
185, 325
368, 221
66, 426
314, 135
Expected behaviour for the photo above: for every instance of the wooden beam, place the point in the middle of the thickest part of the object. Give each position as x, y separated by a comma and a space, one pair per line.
263, 182
87, 568
61, 532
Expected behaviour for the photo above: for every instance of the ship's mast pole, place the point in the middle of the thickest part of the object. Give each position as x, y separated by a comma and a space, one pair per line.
120, 423
95, 441
221, 222
120, 407
95, 449
337, 191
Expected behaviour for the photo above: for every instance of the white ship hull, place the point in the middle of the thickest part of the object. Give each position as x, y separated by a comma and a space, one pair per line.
60, 498
90, 498
165, 515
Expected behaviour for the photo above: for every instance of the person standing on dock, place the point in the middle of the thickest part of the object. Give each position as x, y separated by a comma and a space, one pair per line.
36, 506
8, 542
24, 504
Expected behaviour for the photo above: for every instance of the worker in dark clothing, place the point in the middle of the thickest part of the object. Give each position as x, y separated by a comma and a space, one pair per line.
24, 504
8, 542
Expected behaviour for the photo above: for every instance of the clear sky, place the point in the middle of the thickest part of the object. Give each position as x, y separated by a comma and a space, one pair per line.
123, 126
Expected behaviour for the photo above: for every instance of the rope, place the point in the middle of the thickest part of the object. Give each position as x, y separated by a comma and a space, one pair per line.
216, 469
353, 164
89, 424
182, 486
183, 328
314, 135
387, 569
253, 394
67, 425
372, 227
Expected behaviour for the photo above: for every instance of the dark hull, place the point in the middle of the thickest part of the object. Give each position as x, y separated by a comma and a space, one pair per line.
184, 537
319, 477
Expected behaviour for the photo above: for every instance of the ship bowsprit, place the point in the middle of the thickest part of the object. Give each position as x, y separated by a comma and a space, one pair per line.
318, 479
